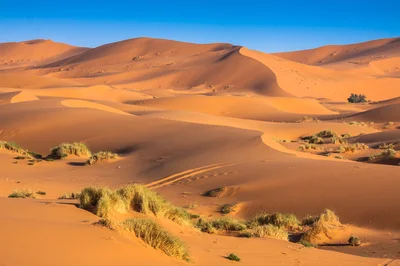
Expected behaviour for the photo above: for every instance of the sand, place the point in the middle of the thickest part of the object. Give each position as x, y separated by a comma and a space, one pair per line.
187, 118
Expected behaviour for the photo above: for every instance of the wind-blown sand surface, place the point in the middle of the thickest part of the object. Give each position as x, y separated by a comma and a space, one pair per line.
187, 118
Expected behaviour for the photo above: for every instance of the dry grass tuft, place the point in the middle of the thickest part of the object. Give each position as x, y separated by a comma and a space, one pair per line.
102, 156
323, 225
268, 230
353, 148
287, 221
155, 236
23, 194
65, 149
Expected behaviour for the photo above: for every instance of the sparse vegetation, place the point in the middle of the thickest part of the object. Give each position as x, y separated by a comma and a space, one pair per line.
386, 146
42, 193
354, 241
388, 125
104, 201
353, 148
65, 149
268, 230
385, 155
326, 222
72, 195
22, 193
102, 156
357, 98
228, 224
233, 257
287, 221
215, 193
155, 236
308, 119
11, 146
309, 147
228, 208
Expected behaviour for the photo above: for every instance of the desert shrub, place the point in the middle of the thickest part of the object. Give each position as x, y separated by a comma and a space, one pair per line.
346, 135
326, 222
354, 241
65, 149
386, 146
288, 221
308, 119
228, 224
308, 147
11, 146
353, 148
70, 195
385, 155
228, 208
316, 140
357, 98
233, 257
338, 140
307, 244
102, 156
215, 193
268, 230
22, 193
309, 220
103, 202
205, 226
388, 125
42, 193
155, 236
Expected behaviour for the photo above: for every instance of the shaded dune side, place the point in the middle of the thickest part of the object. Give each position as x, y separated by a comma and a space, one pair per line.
366, 51
387, 113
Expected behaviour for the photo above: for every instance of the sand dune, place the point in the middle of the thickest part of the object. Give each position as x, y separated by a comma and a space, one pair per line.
187, 118
359, 53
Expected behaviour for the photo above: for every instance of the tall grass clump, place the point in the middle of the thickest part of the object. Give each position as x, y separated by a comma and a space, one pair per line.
323, 225
385, 155
11, 146
155, 236
268, 230
287, 221
23, 194
103, 202
353, 148
228, 224
65, 149
102, 156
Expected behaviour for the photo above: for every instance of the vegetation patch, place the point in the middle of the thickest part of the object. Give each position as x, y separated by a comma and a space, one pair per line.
215, 193
354, 241
11, 146
233, 257
357, 98
70, 195
155, 236
309, 147
321, 226
22, 193
228, 208
268, 230
287, 221
65, 149
353, 148
102, 156
388, 154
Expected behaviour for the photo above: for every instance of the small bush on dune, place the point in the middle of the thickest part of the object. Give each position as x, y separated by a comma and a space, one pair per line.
11, 146
22, 193
386, 146
233, 257
268, 230
215, 193
228, 224
103, 202
65, 149
102, 156
308, 147
354, 241
326, 222
228, 208
70, 195
357, 98
205, 226
288, 221
155, 236
353, 148
338, 140
385, 155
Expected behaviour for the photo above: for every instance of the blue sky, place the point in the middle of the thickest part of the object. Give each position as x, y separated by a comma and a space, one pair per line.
270, 26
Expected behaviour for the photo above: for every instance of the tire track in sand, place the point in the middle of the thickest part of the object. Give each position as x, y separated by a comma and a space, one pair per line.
186, 174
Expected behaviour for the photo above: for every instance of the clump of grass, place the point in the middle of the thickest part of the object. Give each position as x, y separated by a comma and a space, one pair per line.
326, 134
228, 224
205, 226
307, 244
287, 221
65, 149
388, 125
215, 193
386, 146
103, 202
354, 241
308, 147
338, 140
41, 193
353, 148
357, 98
22, 193
11, 146
21, 157
155, 236
102, 156
228, 208
346, 135
70, 195
385, 155
308, 119
233, 257
326, 222
268, 230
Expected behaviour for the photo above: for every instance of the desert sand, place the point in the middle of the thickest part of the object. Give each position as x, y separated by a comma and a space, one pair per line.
187, 118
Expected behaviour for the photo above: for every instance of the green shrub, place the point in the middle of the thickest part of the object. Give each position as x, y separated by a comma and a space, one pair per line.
288, 221
233, 257
228, 224
65, 149
215, 193
205, 226
228, 208
155, 236
102, 156
357, 98
354, 241
22, 193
